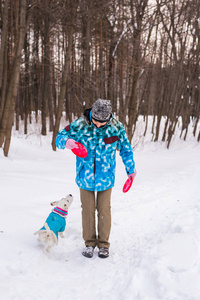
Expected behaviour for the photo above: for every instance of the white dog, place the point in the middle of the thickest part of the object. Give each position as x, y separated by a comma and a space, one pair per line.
55, 223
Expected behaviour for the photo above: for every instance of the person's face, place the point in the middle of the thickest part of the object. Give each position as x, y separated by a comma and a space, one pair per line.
98, 124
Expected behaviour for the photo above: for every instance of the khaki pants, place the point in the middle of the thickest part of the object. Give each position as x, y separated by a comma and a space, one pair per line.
89, 205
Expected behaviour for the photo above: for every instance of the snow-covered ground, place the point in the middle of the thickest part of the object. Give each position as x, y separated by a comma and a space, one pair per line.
155, 236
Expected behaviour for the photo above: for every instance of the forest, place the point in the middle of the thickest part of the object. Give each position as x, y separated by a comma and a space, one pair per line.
57, 57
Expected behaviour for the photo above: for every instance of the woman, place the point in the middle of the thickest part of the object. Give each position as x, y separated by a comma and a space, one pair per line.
102, 135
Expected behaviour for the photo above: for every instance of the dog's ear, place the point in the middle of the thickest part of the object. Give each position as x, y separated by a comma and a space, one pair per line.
54, 203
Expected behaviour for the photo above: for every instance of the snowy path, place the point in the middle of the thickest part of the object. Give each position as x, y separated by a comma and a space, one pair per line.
155, 237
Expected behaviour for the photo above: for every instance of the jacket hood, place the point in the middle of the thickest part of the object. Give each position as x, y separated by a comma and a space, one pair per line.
87, 116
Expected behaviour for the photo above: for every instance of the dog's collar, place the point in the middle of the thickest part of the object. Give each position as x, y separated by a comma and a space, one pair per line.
61, 212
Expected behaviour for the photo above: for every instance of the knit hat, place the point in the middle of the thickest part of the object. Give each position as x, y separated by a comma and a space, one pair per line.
101, 110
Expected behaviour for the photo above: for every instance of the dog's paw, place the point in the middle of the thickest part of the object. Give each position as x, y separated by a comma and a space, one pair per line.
61, 234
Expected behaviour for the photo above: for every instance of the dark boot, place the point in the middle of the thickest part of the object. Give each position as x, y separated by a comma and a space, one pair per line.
88, 251
103, 252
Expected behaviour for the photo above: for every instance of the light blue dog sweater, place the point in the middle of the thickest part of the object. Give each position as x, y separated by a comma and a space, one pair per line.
56, 220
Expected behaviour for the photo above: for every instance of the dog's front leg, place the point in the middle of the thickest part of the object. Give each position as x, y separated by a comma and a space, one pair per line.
61, 234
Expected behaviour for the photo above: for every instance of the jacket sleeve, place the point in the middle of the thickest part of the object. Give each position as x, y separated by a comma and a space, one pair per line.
126, 151
62, 136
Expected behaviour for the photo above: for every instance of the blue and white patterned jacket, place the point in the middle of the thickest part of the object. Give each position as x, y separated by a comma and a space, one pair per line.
96, 172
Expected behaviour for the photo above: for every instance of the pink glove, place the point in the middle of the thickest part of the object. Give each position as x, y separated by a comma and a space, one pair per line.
132, 175
71, 144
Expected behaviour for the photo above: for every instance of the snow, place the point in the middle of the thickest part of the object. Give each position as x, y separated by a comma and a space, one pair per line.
155, 244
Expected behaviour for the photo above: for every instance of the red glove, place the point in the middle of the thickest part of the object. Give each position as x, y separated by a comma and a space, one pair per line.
132, 175
71, 144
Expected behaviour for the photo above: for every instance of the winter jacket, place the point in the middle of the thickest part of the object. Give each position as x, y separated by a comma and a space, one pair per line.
96, 172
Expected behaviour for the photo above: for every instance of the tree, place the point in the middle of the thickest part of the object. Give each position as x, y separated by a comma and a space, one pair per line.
9, 107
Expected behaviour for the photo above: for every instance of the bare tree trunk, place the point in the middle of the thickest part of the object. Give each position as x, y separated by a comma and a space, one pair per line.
3, 58
46, 94
64, 83
7, 119
3, 88
26, 86
3, 39
50, 100
137, 16
132, 108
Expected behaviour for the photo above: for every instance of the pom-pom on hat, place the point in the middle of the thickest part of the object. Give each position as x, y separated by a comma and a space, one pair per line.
101, 110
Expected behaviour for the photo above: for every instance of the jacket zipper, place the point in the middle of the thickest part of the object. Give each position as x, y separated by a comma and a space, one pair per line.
95, 156
95, 162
